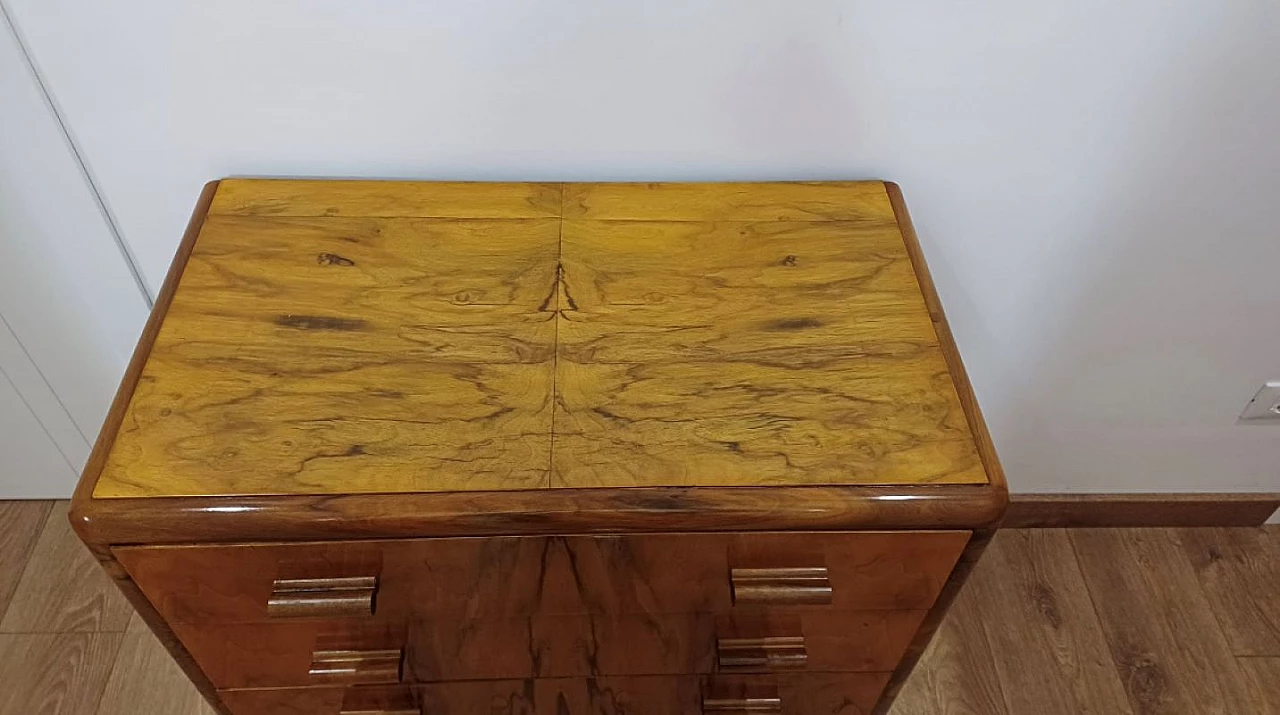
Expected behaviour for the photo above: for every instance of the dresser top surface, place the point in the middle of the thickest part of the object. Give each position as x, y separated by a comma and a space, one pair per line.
367, 337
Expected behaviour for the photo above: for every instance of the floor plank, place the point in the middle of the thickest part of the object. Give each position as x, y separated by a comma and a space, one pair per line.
1264, 675
147, 680
957, 674
63, 589
1050, 653
1239, 570
20, 523
1163, 636
59, 674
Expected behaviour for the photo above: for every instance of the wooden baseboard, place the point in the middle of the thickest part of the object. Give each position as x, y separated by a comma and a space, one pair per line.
1138, 510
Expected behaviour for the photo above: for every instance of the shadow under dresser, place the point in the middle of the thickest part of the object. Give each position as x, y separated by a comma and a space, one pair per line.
568, 449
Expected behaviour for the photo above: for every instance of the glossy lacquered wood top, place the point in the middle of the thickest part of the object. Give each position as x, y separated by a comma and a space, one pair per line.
340, 337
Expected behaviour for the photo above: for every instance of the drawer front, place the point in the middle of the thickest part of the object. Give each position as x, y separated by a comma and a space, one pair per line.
683, 644
361, 700
792, 694
497, 578
316, 652
312, 652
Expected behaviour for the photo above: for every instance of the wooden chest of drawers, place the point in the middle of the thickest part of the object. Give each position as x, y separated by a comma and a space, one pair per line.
406, 447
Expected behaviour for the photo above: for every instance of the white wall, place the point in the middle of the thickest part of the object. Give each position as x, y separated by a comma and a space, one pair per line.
1092, 180
70, 311
41, 450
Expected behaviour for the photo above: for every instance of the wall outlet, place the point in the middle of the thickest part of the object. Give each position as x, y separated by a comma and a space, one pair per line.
1264, 407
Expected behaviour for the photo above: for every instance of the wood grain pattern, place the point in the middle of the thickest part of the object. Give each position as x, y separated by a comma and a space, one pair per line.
950, 680
506, 577
54, 674
360, 700
82, 500
556, 511
957, 675
1161, 631
292, 197
337, 356
1263, 675
145, 679
284, 701
951, 590
740, 335
1039, 620
107, 521
260, 655
801, 694
367, 360
20, 526
834, 641
788, 201
750, 353
68, 593
146, 617
1239, 570
543, 646
81, 513
679, 644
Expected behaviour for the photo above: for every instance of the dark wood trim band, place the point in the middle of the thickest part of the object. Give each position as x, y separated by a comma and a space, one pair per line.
1139, 510
552, 511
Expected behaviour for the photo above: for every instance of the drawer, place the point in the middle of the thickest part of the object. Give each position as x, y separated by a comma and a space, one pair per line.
362, 700
792, 694
310, 652
498, 578
314, 652
681, 644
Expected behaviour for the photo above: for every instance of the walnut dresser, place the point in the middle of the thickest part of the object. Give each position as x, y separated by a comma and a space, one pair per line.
390, 448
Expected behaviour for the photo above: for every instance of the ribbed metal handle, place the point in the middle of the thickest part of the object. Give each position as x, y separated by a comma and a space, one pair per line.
800, 585
768, 704
322, 597
768, 653
743, 697
355, 667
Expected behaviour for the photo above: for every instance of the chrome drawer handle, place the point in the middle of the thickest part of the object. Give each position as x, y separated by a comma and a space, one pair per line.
352, 667
803, 585
742, 705
773, 653
322, 597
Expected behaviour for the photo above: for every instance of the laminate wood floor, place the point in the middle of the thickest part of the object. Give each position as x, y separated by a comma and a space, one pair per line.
1054, 621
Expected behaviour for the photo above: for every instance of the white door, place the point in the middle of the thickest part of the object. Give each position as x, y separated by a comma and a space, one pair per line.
41, 450
32, 466
70, 308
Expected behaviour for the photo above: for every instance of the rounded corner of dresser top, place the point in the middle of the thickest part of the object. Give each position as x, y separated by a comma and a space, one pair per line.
82, 514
